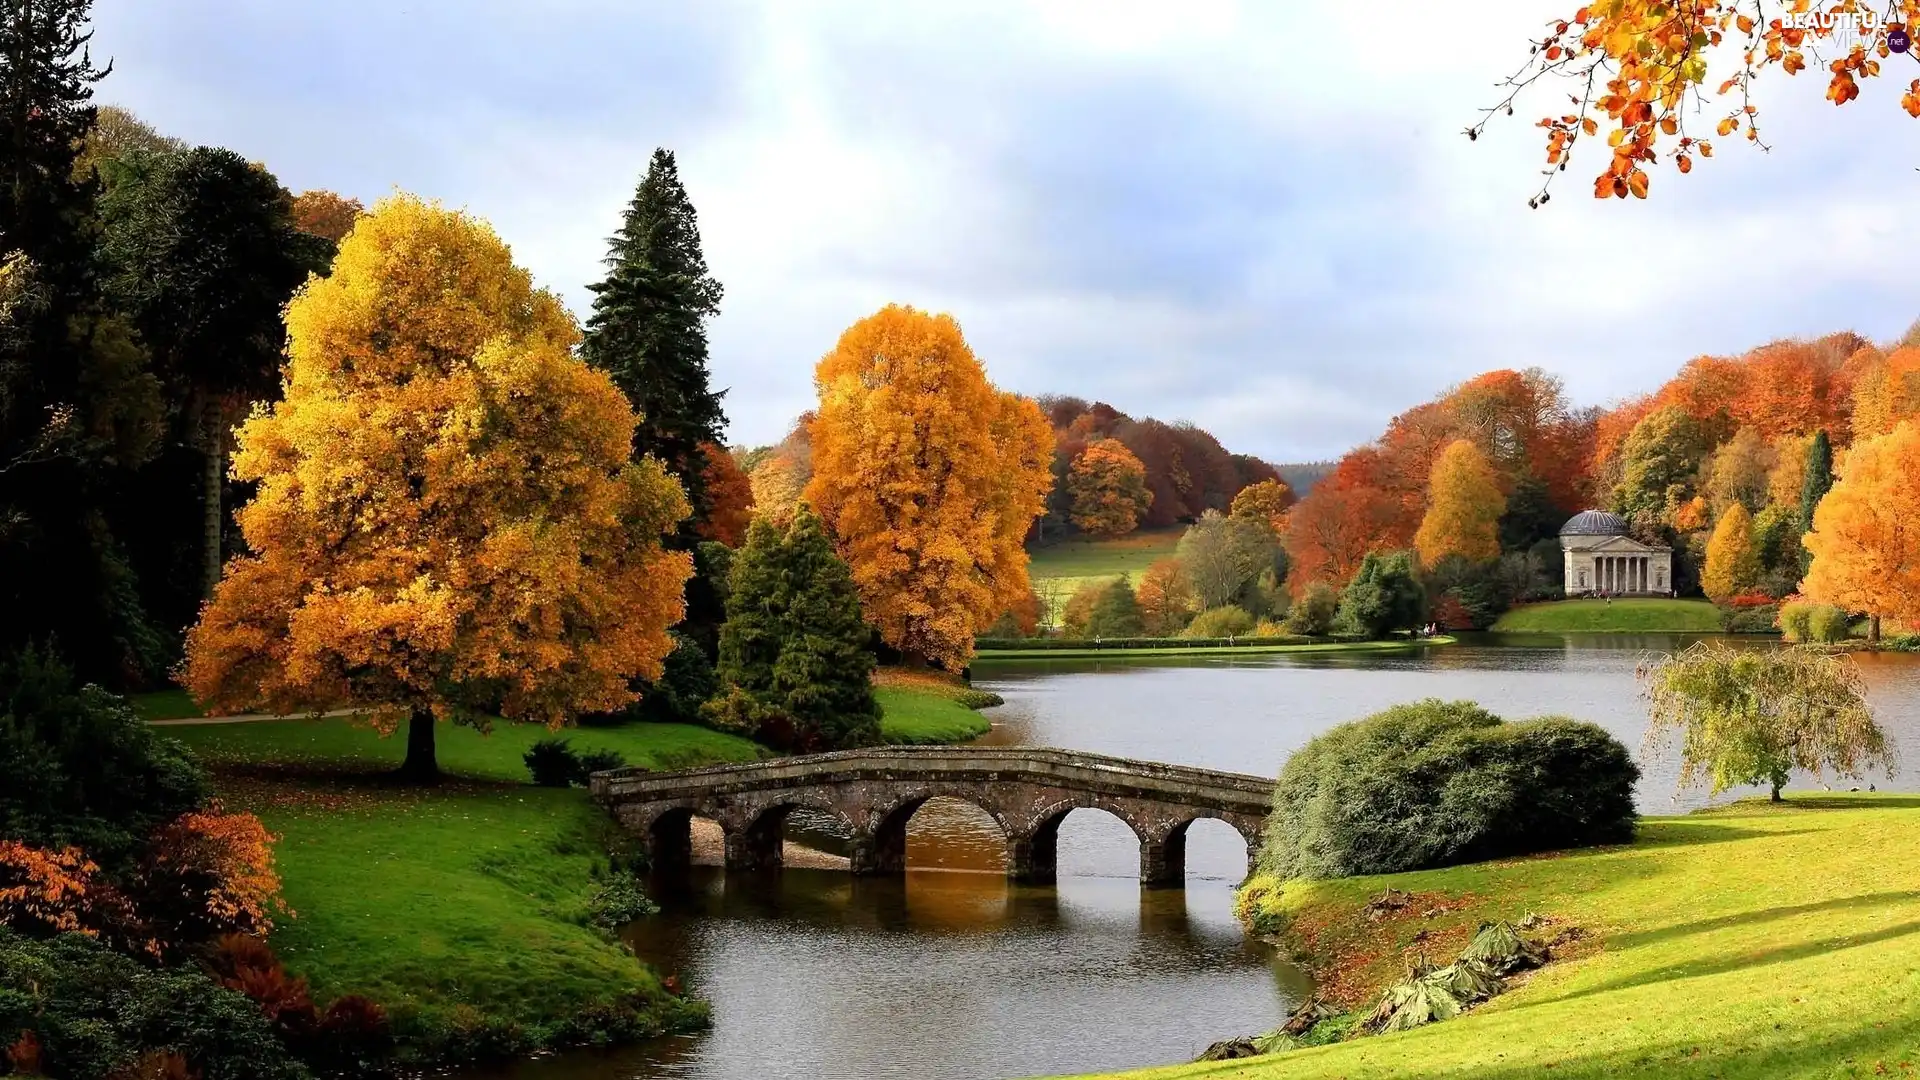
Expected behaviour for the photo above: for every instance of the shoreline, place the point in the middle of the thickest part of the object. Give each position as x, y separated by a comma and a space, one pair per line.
987, 655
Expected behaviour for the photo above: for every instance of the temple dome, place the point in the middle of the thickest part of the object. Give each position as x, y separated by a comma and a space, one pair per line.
1594, 523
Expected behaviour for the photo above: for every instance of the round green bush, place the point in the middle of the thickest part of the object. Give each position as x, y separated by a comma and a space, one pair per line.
1439, 783
1224, 621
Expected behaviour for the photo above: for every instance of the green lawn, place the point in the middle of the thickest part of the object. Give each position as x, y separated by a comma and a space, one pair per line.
462, 908
914, 716
345, 744
1750, 943
1074, 561
1635, 615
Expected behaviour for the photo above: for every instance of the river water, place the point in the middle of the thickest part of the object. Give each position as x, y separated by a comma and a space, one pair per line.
953, 974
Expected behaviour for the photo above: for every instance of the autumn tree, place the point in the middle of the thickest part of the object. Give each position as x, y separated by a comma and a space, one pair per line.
1165, 596
1887, 392
1660, 461
448, 522
1752, 716
117, 132
928, 478
1865, 539
1464, 505
1116, 612
1641, 69
325, 214
1733, 562
648, 330
794, 648
730, 495
1224, 555
1108, 488
1267, 500
1738, 472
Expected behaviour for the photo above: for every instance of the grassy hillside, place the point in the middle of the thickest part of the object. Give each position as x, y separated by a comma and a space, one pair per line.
1751, 942
1634, 615
1071, 562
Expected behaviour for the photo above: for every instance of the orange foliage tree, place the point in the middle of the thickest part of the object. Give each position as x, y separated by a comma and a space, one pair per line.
1165, 596
1865, 538
325, 214
45, 892
1637, 65
1463, 508
209, 873
1733, 562
447, 522
928, 478
1268, 500
1108, 488
729, 495
1887, 392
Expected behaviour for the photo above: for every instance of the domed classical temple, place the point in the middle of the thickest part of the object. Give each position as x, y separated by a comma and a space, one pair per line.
1601, 559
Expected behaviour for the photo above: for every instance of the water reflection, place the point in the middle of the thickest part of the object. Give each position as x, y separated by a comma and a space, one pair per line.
943, 974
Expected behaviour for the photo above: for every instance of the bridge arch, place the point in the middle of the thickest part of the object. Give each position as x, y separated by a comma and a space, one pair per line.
882, 848
756, 836
1172, 856
1033, 854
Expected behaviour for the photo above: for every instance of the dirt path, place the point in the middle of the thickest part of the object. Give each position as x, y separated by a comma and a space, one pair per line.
245, 718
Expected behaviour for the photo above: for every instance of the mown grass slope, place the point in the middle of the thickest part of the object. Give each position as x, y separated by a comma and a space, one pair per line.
1751, 942
1072, 562
1631, 615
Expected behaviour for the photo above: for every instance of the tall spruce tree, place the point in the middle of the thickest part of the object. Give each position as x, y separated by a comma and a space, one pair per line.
795, 647
77, 405
1818, 478
648, 329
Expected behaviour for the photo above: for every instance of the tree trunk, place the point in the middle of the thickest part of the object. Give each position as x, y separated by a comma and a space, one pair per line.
1775, 797
420, 766
213, 448
1873, 630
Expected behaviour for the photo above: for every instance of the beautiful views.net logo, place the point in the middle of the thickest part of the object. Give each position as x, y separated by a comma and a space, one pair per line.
1847, 27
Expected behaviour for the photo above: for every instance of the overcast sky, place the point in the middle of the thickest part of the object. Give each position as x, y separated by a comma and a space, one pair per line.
1259, 217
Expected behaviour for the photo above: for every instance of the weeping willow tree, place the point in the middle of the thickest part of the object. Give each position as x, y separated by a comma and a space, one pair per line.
1752, 716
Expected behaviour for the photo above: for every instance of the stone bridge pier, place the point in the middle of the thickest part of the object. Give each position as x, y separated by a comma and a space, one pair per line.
873, 793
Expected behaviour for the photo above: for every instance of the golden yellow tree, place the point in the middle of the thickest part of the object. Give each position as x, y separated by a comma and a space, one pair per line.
1886, 392
928, 478
447, 523
1108, 488
1866, 531
1733, 560
1268, 500
1464, 504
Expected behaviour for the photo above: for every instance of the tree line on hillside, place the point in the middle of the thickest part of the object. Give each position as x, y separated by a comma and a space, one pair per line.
1730, 464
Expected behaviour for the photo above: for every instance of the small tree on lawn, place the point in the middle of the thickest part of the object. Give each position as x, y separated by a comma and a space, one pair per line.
794, 647
448, 522
1752, 716
1386, 595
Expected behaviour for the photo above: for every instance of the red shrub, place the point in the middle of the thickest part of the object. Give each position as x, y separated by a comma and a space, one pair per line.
1750, 600
208, 873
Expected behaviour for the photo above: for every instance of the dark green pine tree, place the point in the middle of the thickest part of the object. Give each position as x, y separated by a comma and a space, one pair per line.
1813, 488
795, 646
77, 406
648, 328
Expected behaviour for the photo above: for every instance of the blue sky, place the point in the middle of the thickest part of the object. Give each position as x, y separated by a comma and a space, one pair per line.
1264, 221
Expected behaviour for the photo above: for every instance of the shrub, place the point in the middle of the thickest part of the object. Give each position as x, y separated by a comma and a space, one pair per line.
206, 874
93, 1011
1752, 599
1750, 620
594, 761
1267, 628
1440, 783
552, 762
81, 768
686, 682
1802, 621
1385, 595
1226, 621
1312, 615
619, 901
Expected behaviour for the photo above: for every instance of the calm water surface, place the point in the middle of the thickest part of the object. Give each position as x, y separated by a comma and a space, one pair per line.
953, 974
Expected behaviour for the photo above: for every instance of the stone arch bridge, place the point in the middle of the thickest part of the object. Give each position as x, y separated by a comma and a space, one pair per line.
873, 792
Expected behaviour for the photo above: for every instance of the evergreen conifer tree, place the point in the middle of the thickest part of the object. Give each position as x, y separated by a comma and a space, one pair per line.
794, 647
77, 405
648, 328
1116, 614
1384, 596
1819, 477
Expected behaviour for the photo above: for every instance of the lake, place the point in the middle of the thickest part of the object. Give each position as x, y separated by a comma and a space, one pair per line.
954, 974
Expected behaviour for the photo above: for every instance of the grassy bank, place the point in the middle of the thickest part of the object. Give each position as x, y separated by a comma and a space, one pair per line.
1071, 562
925, 707
461, 908
1751, 942
1632, 615
1253, 645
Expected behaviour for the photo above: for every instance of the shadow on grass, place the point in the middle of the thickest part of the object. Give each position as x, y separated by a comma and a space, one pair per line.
346, 775
1765, 915
1721, 965
1687, 832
